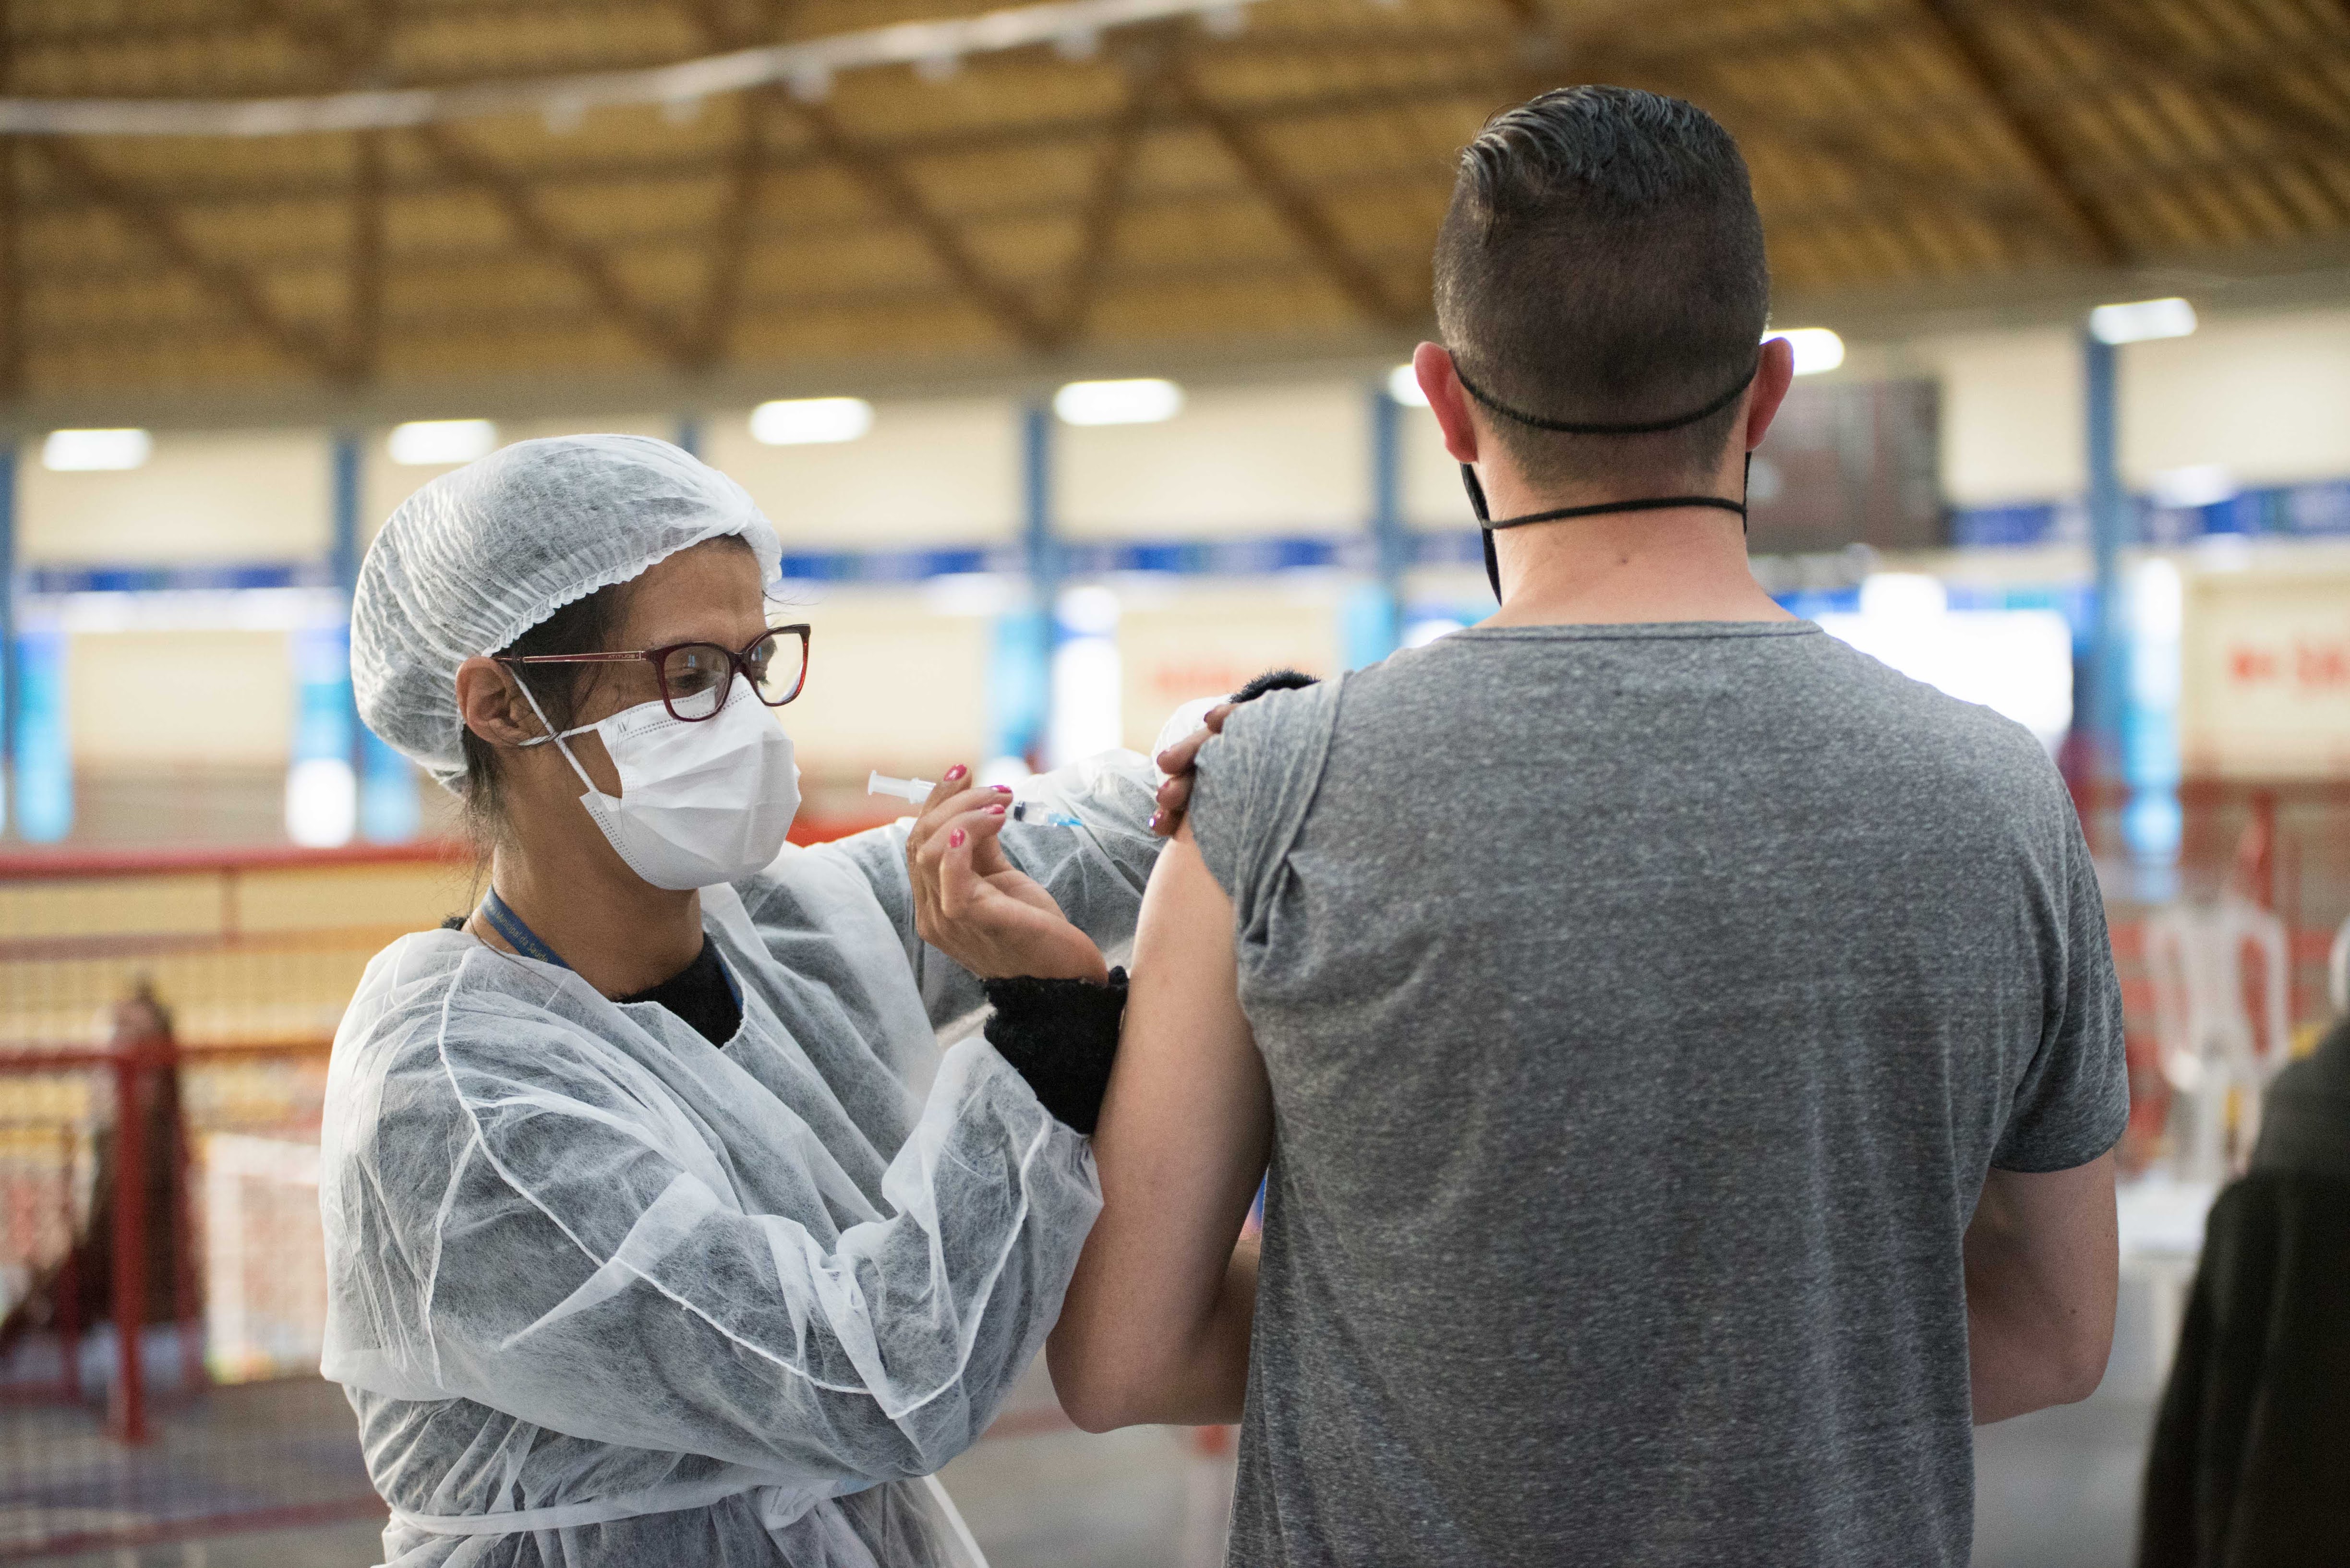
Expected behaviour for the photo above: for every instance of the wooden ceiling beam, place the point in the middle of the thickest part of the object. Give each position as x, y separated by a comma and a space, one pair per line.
883, 178
1956, 29
885, 181
2142, 45
11, 252
1113, 186
1307, 223
1892, 205
363, 331
736, 226
356, 49
361, 54
586, 263
237, 290
1479, 85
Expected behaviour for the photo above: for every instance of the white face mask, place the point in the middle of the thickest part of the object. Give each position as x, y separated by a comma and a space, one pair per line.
702, 801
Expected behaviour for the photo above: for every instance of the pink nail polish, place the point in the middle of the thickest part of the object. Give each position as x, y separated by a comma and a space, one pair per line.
957, 770
1001, 789
994, 811
954, 839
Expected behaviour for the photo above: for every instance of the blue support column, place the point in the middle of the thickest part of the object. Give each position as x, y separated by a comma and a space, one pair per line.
343, 549
2108, 532
44, 748
689, 433
1375, 616
38, 739
321, 788
1023, 673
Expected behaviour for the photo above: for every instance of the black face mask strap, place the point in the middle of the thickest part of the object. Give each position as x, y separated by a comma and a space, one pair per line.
1730, 395
1487, 523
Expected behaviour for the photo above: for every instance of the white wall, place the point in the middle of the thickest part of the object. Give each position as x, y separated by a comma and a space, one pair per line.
2013, 427
1255, 459
2267, 398
220, 698
246, 496
944, 473
890, 685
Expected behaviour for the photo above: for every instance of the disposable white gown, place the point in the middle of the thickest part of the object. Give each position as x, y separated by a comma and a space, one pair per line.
602, 1292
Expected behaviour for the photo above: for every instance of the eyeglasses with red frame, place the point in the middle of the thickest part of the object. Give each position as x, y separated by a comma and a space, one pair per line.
695, 677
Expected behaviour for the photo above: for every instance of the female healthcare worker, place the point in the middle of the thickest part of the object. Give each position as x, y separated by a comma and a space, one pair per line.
659, 1231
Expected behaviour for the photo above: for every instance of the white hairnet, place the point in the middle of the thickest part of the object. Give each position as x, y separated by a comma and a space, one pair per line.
479, 556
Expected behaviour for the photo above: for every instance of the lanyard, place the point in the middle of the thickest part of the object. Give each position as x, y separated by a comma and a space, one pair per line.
526, 942
518, 936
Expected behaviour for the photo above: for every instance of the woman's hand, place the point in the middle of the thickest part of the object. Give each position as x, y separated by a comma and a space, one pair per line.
1178, 762
973, 905
1181, 761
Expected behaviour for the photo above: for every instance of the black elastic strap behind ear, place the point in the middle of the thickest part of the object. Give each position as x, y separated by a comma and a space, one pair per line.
1643, 427
1487, 523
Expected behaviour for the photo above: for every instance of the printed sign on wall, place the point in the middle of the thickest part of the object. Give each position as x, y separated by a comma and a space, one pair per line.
2267, 687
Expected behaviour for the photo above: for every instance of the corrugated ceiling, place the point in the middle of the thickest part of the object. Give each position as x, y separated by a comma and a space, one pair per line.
1269, 193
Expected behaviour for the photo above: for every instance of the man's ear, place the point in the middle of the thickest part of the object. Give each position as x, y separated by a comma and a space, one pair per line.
1447, 399
490, 705
1773, 374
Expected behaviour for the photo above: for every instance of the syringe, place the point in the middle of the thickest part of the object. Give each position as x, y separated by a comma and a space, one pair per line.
918, 790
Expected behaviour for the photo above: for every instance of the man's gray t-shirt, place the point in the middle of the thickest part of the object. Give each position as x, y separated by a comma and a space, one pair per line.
1643, 1006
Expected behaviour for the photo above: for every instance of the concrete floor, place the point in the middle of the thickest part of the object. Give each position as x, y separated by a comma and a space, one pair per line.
2056, 1490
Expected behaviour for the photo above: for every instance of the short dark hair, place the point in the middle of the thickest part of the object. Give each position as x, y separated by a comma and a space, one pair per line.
1602, 263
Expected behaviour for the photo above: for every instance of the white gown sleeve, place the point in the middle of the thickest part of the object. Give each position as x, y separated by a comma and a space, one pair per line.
1096, 872
559, 1237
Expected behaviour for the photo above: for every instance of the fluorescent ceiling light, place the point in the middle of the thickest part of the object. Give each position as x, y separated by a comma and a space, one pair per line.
810, 421
88, 451
1403, 386
2197, 484
437, 443
1138, 402
2141, 320
1816, 349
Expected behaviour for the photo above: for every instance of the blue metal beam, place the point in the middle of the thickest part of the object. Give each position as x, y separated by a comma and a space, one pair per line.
2108, 533
1022, 681
1386, 507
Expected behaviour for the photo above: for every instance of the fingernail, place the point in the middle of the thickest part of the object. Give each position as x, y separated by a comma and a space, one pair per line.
993, 811
954, 839
957, 770
1154, 819
1001, 789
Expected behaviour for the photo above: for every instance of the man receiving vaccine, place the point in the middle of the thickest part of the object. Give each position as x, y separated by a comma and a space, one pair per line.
1682, 1052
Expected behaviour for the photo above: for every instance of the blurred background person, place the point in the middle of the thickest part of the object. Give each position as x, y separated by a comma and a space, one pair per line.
2254, 1428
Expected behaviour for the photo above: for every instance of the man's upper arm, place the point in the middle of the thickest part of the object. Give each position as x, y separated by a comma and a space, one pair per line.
1181, 1145
2042, 1271
2072, 1101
